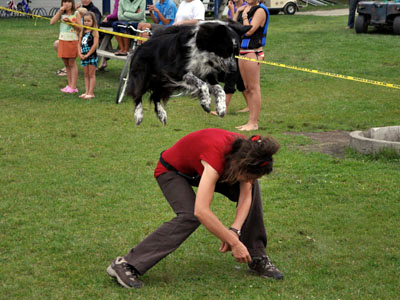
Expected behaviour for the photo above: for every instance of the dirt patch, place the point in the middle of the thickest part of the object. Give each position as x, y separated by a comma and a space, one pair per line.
326, 13
332, 142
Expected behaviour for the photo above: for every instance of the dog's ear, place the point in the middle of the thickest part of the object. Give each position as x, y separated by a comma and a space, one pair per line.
239, 28
210, 34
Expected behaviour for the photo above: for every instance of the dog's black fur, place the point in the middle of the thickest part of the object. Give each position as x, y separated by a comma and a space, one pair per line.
185, 57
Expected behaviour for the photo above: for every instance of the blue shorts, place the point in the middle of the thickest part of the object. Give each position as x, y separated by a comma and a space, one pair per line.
90, 61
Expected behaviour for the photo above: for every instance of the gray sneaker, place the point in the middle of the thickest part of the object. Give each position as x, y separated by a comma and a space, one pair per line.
124, 273
265, 268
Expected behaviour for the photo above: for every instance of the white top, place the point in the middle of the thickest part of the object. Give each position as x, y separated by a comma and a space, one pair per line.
190, 11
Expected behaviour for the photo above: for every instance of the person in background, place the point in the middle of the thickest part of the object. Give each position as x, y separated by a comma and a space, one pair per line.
256, 15
233, 6
88, 42
111, 18
352, 13
107, 22
217, 4
130, 12
215, 160
163, 14
88, 4
63, 71
232, 79
67, 48
190, 12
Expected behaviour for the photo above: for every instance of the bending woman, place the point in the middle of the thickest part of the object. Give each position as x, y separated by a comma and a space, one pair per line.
215, 160
256, 15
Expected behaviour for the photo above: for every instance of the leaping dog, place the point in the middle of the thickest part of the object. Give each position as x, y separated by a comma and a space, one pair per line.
188, 58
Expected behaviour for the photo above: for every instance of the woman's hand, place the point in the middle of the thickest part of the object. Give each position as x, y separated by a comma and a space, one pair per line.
66, 19
241, 8
225, 246
230, 5
239, 250
240, 253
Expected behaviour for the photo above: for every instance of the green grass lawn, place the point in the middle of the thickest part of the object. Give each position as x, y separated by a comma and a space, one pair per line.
77, 186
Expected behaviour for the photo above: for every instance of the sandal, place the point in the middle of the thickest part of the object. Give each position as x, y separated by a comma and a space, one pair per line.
82, 96
61, 72
119, 53
88, 97
103, 66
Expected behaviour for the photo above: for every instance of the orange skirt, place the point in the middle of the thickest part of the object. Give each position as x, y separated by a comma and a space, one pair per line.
67, 49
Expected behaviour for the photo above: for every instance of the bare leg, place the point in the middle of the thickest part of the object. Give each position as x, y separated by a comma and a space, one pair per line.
126, 44
86, 74
67, 69
74, 72
121, 44
92, 80
250, 72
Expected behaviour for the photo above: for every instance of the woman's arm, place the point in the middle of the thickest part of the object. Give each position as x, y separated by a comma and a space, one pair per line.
242, 210
231, 8
258, 20
236, 14
136, 12
81, 56
114, 14
57, 16
244, 203
78, 19
187, 22
162, 19
203, 212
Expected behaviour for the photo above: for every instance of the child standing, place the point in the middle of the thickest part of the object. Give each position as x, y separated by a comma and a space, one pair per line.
68, 41
88, 42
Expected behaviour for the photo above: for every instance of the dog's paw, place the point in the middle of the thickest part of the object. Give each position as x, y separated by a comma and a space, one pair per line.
161, 113
138, 113
205, 98
205, 104
221, 108
220, 99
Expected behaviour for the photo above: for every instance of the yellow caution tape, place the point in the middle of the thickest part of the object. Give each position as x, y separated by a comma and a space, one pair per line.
357, 79
78, 25
384, 84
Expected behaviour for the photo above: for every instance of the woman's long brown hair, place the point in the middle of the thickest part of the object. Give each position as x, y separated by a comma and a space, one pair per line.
249, 158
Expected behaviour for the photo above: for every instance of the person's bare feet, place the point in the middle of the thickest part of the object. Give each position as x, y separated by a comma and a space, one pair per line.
88, 97
247, 127
246, 109
214, 113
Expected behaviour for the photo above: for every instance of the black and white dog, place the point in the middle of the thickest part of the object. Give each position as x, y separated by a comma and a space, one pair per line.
188, 58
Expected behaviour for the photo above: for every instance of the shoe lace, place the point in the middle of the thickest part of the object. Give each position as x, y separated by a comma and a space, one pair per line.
129, 271
266, 263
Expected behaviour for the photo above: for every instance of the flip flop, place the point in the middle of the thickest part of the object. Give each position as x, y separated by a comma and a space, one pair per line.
88, 97
61, 72
103, 66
